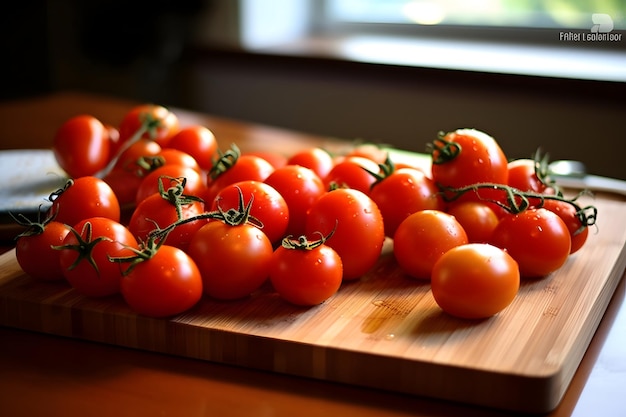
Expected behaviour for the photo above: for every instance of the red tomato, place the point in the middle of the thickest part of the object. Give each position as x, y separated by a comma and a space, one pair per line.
306, 274
166, 284
161, 123
569, 214
352, 172
132, 159
85, 252
124, 185
422, 238
274, 158
173, 156
467, 157
237, 168
159, 211
477, 218
85, 197
359, 229
522, 176
369, 151
34, 251
197, 141
536, 238
268, 206
81, 146
402, 193
316, 159
194, 184
475, 281
234, 261
300, 187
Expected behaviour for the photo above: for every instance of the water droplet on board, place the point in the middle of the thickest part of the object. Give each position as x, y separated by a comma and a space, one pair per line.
390, 336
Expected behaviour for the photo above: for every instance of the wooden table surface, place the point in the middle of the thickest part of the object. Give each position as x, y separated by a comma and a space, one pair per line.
48, 375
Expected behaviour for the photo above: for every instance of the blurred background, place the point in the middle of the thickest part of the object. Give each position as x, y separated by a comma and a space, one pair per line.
390, 71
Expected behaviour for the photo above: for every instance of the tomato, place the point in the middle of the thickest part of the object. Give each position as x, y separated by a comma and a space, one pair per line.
352, 172
275, 159
234, 260
84, 255
166, 284
300, 187
160, 210
173, 156
359, 229
536, 238
197, 141
305, 273
124, 185
402, 193
82, 198
161, 123
569, 214
422, 238
234, 167
132, 159
523, 176
316, 159
81, 146
34, 251
477, 218
267, 205
194, 182
475, 281
371, 151
467, 157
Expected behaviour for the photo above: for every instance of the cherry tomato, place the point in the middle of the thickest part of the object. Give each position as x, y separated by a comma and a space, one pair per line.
369, 151
305, 273
84, 255
402, 193
475, 281
124, 184
316, 159
166, 284
236, 168
172, 156
160, 210
467, 157
234, 261
81, 146
132, 158
197, 141
194, 182
274, 158
422, 238
536, 238
478, 219
34, 251
300, 187
267, 205
359, 229
352, 172
568, 213
163, 123
522, 176
85, 197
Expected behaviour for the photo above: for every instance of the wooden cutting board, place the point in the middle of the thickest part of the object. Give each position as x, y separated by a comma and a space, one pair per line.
383, 331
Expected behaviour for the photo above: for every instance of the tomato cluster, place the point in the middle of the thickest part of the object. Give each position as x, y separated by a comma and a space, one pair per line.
223, 224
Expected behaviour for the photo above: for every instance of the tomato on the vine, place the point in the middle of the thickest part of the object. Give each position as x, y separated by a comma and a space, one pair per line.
523, 176
163, 123
579, 230
352, 172
265, 203
477, 218
316, 159
173, 156
81, 146
164, 282
34, 248
475, 281
234, 260
300, 187
197, 141
163, 176
85, 252
82, 198
359, 229
402, 192
305, 273
422, 238
536, 238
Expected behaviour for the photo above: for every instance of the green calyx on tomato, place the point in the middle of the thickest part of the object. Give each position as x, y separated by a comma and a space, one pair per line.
175, 194
84, 246
302, 243
33, 228
225, 161
443, 150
